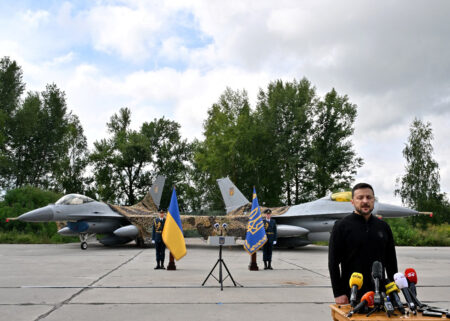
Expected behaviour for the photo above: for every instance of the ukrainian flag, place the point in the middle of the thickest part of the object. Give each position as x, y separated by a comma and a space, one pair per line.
256, 235
173, 230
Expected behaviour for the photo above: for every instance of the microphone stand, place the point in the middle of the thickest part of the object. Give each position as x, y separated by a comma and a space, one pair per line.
220, 262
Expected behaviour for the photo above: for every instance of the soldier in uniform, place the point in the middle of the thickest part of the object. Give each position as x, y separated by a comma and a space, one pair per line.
158, 226
271, 231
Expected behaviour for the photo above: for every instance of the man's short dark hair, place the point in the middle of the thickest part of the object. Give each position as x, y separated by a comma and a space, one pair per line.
361, 186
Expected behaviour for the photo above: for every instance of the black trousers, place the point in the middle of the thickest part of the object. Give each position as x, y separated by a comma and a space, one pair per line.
160, 251
267, 251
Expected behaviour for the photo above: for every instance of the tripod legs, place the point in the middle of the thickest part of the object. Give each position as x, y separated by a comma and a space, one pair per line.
221, 262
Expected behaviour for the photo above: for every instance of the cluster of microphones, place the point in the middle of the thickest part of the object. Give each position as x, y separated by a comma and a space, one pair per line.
385, 296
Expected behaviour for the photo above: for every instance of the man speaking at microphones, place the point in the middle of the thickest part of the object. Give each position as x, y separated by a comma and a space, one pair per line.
356, 241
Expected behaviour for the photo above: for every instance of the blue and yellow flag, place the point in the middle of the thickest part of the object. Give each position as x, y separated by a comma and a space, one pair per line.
256, 235
173, 230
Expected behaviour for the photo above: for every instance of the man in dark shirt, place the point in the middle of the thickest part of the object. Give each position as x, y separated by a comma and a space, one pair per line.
356, 241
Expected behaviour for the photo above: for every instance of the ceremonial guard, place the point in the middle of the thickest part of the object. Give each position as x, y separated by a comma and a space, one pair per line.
271, 231
158, 226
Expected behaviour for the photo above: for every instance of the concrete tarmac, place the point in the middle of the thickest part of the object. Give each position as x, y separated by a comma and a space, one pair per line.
62, 282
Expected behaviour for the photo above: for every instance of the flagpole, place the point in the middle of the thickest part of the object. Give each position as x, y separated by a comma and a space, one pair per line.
253, 266
171, 266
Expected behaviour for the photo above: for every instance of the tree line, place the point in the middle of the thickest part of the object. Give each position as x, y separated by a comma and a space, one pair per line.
294, 146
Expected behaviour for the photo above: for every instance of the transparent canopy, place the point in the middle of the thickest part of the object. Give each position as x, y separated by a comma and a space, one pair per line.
74, 199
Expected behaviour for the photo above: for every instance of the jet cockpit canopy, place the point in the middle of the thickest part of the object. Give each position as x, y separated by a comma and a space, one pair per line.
73, 199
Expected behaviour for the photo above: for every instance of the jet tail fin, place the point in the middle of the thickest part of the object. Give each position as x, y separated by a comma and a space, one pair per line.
152, 199
157, 189
231, 195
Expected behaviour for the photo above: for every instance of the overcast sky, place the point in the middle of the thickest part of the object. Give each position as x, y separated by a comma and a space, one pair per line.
175, 58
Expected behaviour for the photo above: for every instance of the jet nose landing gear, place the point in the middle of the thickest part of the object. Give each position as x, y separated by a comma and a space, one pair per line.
83, 238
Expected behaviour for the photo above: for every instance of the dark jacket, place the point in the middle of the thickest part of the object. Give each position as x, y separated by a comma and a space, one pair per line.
271, 230
158, 226
354, 245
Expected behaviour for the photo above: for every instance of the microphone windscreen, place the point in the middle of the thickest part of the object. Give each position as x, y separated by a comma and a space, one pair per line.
356, 279
369, 297
411, 275
391, 287
400, 280
377, 270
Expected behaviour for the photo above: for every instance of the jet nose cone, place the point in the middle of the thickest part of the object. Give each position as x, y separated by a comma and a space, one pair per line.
387, 210
43, 214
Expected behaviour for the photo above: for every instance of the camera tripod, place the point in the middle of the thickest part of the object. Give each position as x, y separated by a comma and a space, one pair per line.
220, 262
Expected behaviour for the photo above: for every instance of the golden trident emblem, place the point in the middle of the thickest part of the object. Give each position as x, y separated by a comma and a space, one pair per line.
231, 191
156, 189
253, 224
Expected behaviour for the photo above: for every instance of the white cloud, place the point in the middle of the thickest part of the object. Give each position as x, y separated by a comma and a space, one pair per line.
64, 59
174, 59
34, 18
127, 31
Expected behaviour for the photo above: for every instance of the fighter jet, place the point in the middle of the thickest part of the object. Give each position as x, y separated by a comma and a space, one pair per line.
302, 224
86, 217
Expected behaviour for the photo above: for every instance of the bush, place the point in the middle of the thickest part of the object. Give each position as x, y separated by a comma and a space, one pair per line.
405, 234
22, 200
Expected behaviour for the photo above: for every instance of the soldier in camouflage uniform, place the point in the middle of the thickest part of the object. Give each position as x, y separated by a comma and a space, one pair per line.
158, 226
271, 231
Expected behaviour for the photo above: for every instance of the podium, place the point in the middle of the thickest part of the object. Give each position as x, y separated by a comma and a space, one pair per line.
220, 241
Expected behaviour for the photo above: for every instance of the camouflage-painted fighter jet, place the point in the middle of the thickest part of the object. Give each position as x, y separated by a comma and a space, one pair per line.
297, 225
86, 217
302, 224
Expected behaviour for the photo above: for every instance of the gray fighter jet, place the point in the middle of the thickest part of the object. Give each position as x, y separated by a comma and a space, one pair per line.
86, 217
302, 224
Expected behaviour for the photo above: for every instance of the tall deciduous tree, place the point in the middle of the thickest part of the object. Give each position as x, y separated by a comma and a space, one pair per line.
120, 161
40, 131
420, 186
284, 112
70, 174
228, 148
127, 162
334, 162
171, 156
11, 88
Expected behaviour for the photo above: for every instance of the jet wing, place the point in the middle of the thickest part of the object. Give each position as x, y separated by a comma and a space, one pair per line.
321, 207
80, 216
332, 209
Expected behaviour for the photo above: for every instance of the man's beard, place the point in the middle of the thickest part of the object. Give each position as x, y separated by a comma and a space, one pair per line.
360, 212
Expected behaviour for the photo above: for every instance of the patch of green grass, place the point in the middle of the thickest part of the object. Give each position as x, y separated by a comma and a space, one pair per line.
322, 243
34, 238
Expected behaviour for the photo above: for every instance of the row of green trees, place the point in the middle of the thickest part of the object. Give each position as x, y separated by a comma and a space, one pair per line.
294, 146
41, 142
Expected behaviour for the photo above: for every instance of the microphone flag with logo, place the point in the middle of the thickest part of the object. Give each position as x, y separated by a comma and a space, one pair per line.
256, 235
173, 230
